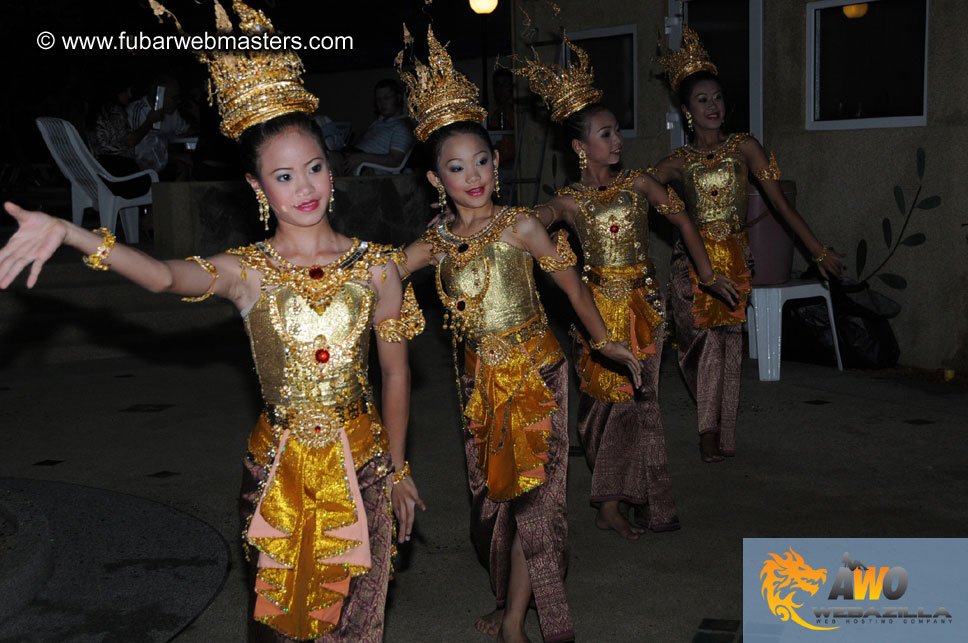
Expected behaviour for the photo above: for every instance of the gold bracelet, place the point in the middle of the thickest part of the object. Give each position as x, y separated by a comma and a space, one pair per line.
711, 281
402, 474
96, 259
600, 344
210, 269
823, 254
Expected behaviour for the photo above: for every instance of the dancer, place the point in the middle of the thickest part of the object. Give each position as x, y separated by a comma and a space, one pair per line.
514, 384
620, 428
323, 468
714, 168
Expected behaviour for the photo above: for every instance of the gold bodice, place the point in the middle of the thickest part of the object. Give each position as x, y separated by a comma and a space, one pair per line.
485, 283
715, 183
612, 222
305, 358
310, 329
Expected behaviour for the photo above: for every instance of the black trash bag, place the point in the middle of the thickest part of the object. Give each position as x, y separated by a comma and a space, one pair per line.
862, 314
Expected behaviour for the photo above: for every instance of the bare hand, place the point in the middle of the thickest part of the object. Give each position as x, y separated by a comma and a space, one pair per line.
404, 498
444, 216
724, 288
622, 355
36, 239
832, 265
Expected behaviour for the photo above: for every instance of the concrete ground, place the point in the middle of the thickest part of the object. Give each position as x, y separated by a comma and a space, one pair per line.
820, 453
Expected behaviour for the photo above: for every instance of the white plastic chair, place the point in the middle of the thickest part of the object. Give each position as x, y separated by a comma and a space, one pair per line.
88, 179
397, 169
764, 320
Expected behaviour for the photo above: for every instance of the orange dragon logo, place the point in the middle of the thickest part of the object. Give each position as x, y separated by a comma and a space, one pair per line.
789, 572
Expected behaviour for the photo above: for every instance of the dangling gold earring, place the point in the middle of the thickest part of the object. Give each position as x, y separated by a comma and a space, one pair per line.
497, 184
441, 196
332, 192
264, 210
582, 160
689, 121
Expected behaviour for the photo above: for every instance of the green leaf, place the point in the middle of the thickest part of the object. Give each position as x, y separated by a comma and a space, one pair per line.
547, 189
899, 197
920, 163
915, 239
894, 281
861, 256
886, 226
930, 203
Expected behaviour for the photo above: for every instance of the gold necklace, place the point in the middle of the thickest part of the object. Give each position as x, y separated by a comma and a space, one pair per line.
316, 284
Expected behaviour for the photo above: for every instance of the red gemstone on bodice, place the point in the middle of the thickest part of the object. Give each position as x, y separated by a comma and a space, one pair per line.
318, 429
614, 228
462, 247
461, 305
322, 356
315, 272
714, 192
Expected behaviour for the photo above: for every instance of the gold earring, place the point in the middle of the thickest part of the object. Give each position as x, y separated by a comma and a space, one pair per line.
441, 196
264, 210
332, 192
582, 160
689, 121
497, 184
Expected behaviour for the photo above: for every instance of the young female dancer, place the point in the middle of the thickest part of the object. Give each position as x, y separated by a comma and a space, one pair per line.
715, 170
323, 468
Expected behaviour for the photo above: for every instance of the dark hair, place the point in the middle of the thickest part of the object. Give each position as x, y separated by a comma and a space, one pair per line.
689, 83
391, 84
576, 126
255, 137
437, 139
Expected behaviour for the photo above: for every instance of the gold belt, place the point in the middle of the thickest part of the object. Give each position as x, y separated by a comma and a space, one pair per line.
719, 230
314, 426
496, 349
621, 288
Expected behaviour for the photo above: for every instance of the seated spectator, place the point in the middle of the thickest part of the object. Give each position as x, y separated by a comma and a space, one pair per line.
113, 141
388, 139
152, 150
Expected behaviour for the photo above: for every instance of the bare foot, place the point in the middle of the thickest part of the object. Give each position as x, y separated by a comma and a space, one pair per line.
512, 634
490, 624
709, 448
609, 517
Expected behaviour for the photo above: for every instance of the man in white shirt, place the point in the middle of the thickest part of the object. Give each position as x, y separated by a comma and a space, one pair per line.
152, 150
388, 139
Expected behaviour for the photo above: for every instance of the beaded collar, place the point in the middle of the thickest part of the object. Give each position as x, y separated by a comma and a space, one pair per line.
460, 249
714, 156
604, 194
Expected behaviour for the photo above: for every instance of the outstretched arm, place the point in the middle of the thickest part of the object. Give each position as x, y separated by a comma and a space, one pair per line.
667, 203
539, 244
39, 235
395, 401
767, 174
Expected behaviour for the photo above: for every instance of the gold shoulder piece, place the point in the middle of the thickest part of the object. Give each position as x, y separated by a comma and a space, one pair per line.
410, 324
674, 205
210, 269
567, 256
770, 173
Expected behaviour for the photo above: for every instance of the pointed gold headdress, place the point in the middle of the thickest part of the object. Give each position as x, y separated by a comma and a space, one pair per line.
438, 94
690, 58
565, 91
252, 86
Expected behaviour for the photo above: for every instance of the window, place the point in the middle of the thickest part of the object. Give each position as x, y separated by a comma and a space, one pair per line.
866, 64
613, 53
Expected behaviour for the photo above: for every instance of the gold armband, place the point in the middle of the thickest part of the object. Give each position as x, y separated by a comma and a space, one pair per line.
96, 259
563, 248
402, 474
600, 344
210, 269
675, 203
410, 324
771, 173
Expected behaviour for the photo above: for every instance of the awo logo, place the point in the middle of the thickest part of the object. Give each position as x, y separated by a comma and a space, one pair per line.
784, 576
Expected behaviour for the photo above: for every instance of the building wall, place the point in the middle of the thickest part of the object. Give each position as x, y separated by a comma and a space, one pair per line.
845, 179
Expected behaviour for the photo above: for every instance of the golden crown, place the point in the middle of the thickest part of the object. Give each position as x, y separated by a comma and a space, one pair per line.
690, 58
565, 91
252, 86
438, 94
